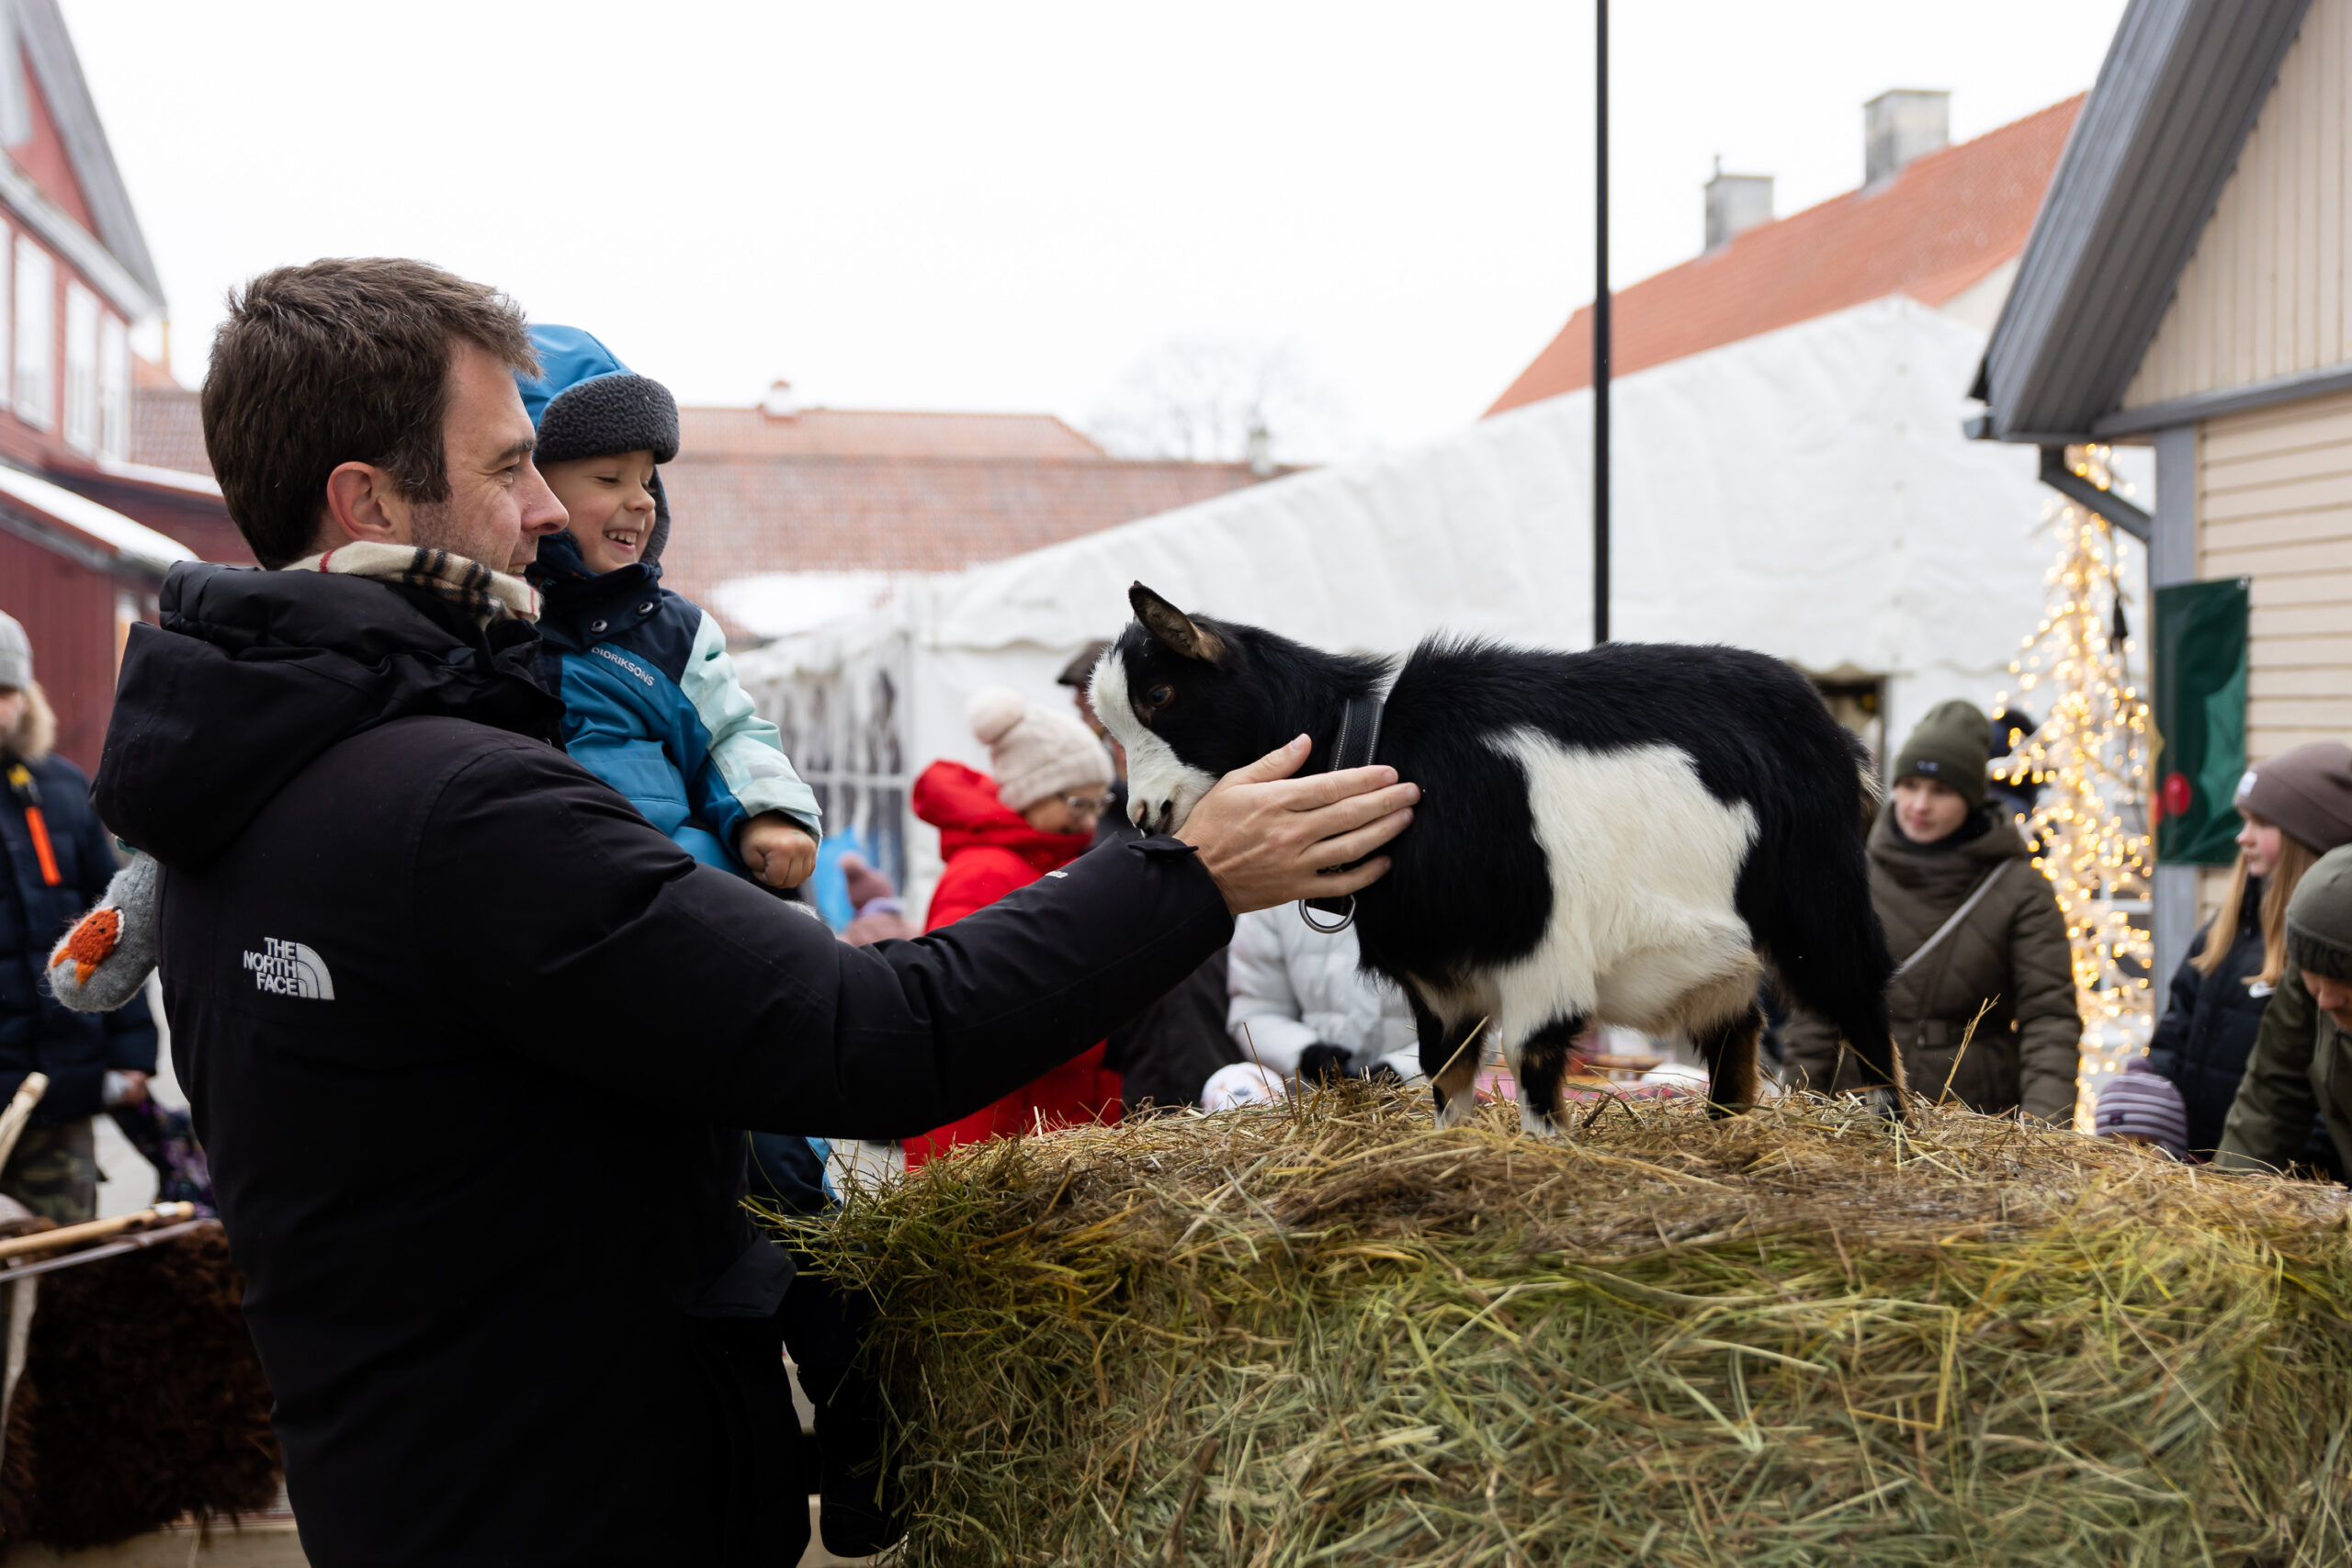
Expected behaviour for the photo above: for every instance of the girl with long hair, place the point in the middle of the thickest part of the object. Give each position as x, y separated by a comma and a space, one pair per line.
2296, 807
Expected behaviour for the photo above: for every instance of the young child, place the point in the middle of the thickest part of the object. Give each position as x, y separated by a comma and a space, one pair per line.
651, 701
651, 706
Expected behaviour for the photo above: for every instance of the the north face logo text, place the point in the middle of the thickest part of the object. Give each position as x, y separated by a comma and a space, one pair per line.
289, 969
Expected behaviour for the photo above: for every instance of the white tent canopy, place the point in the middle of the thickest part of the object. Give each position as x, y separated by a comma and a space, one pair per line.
1807, 493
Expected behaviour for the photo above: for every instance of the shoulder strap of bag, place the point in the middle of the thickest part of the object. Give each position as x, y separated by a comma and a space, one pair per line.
1953, 924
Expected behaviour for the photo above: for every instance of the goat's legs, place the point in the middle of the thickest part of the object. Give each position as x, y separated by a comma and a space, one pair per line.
1449, 1060
1729, 1050
1541, 1063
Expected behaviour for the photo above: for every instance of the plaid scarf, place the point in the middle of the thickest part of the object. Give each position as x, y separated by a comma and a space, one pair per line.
484, 594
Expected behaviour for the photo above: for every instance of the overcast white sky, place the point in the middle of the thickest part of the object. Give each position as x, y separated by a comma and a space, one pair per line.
1004, 206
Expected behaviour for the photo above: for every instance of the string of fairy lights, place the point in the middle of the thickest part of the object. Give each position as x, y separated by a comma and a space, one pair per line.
2090, 756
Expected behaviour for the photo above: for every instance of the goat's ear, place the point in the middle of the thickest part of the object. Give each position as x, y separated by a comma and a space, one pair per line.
1173, 629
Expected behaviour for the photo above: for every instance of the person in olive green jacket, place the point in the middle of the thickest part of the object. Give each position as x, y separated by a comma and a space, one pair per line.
1970, 922
2302, 1058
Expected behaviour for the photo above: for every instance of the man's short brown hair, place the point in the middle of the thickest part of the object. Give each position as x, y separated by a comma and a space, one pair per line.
342, 361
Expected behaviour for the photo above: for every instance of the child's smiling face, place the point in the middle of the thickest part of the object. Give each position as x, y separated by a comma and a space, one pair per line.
611, 503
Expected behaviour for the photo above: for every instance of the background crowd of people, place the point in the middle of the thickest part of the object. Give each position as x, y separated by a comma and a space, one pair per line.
1984, 1000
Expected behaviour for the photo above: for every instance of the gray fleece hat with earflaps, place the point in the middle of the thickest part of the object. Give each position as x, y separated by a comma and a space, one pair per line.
2318, 917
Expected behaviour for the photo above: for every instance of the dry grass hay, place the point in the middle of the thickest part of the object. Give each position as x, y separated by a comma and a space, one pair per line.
1327, 1333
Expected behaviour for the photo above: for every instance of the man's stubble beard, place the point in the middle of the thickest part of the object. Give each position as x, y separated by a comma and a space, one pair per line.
433, 525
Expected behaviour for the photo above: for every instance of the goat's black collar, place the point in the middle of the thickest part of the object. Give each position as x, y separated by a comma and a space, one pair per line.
1358, 739
1356, 745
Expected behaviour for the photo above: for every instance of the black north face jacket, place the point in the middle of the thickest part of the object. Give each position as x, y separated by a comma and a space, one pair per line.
469, 1045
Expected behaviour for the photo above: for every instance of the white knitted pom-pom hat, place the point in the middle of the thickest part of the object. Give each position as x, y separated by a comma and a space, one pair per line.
1035, 752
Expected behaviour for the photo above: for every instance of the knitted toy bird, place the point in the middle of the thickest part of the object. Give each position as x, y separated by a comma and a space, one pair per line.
107, 957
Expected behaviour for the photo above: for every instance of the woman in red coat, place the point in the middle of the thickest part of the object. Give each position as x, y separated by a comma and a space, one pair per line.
1038, 814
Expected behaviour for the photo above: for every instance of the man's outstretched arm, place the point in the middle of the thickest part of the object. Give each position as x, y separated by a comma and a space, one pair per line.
611, 956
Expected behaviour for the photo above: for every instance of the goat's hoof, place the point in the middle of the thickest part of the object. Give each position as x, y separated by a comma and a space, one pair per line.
1537, 1124
1457, 1111
1888, 1103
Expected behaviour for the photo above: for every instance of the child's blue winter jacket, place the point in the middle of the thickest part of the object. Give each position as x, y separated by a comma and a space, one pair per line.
651, 702
653, 707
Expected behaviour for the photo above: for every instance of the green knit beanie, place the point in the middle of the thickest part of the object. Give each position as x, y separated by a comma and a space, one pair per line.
2318, 917
1949, 747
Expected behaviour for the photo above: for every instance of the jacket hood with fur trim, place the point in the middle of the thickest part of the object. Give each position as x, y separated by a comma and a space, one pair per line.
253, 674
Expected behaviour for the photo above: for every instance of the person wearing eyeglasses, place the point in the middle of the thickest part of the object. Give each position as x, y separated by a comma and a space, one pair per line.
1032, 813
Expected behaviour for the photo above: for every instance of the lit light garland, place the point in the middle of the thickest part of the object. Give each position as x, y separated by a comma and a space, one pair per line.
2090, 755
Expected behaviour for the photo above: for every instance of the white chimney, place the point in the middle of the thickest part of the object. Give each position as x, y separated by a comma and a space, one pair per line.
1736, 202
1899, 126
1261, 451
779, 403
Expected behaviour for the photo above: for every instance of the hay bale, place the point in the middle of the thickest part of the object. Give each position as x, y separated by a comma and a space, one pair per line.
1327, 1332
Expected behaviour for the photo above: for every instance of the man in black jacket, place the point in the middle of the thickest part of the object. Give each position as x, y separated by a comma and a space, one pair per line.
468, 1042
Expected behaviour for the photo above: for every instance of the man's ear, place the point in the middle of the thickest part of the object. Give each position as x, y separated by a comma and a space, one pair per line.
364, 503
1173, 629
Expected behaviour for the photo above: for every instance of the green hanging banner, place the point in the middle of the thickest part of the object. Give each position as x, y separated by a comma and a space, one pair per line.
2201, 721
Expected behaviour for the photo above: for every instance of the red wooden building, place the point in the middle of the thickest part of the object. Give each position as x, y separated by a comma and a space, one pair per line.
85, 535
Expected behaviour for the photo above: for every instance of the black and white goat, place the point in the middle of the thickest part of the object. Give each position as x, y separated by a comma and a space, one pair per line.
1623, 836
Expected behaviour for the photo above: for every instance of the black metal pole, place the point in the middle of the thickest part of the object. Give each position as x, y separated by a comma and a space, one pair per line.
1601, 336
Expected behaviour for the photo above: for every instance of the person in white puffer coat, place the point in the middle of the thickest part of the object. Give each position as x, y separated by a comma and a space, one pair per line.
1294, 989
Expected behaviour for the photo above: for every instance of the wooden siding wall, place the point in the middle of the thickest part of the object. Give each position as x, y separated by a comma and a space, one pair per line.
68, 611
2274, 503
2263, 294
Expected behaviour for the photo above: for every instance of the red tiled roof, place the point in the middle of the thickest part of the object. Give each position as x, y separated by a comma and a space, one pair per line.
1939, 225
738, 516
868, 433
837, 490
167, 430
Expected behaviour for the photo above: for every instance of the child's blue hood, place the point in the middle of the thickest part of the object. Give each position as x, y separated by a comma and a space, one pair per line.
567, 357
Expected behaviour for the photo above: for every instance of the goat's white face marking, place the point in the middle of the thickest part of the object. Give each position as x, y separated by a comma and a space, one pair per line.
1162, 788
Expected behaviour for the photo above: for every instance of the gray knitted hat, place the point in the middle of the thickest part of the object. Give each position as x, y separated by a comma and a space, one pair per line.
16, 655
2318, 917
2307, 790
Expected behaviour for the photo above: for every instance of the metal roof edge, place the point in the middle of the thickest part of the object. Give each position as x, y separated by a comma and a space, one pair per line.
2227, 400
2144, 168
